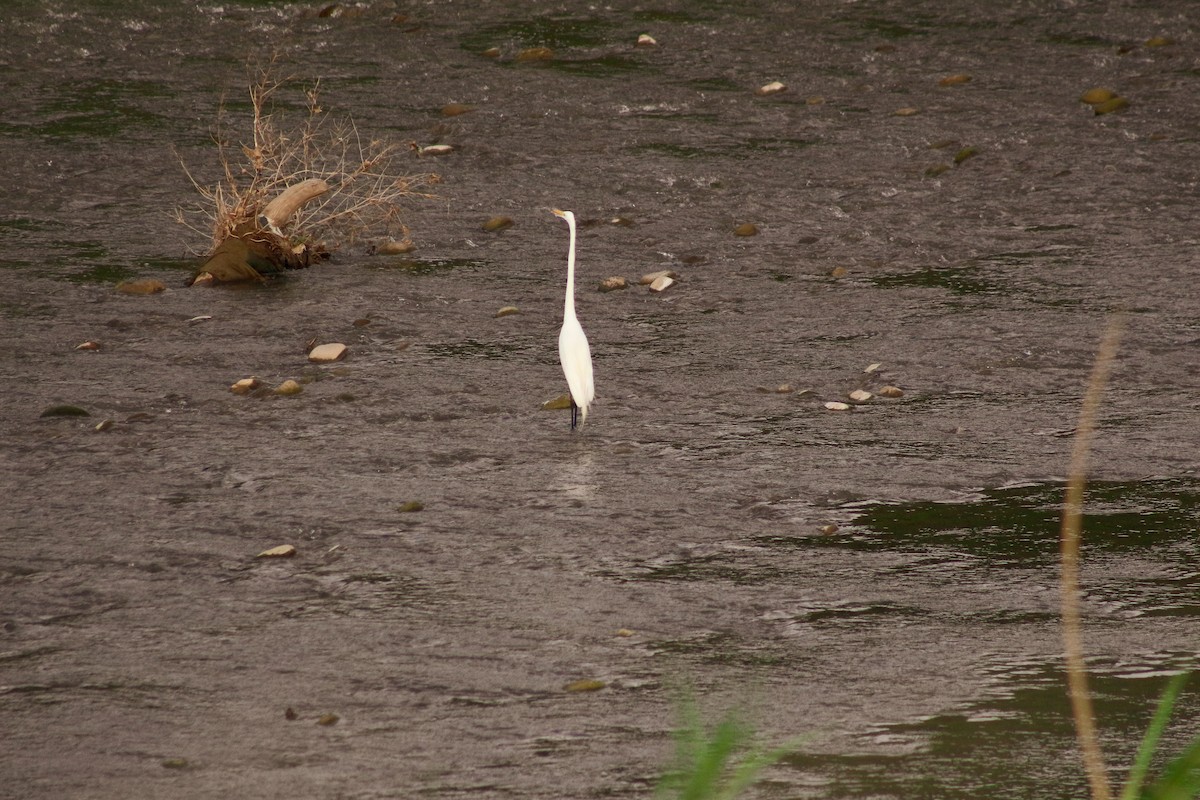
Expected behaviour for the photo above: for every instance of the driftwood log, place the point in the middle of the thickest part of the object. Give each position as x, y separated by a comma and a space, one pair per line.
256, 247
292, 199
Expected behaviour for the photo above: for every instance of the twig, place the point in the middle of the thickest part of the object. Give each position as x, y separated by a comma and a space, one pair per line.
1077, 683
366, 179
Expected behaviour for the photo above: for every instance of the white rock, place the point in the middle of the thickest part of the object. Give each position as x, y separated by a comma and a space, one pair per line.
651, 277
860, 395
837, 406
661, 282
245, 385
646, 40
327, 353
773, 87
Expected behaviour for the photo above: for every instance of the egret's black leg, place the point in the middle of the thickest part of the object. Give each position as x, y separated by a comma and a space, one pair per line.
574, 414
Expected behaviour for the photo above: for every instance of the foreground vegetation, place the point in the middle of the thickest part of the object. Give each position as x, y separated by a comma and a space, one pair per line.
722, 763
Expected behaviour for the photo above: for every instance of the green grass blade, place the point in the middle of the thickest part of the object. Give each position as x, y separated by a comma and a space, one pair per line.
688, 741
1181, 779
1166, 704
714, 764
748, 771
713, 760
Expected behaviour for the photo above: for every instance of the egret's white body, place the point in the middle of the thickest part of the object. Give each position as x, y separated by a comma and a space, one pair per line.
573, 350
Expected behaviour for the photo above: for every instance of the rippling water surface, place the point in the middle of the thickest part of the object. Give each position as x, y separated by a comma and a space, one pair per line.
882, 580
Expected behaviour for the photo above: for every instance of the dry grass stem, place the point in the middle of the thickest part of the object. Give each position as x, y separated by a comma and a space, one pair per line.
1072, 524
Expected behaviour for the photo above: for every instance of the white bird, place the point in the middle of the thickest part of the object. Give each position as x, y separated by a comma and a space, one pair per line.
573, 350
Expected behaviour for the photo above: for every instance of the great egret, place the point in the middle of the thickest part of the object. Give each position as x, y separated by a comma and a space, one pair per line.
573, 350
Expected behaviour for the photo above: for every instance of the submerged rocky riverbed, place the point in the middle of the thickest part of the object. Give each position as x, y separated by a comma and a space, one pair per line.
882, 580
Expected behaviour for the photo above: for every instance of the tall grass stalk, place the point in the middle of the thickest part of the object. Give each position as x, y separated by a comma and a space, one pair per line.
1181, 778
1072, 525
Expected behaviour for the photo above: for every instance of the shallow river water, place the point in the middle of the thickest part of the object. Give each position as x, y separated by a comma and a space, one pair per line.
683, 537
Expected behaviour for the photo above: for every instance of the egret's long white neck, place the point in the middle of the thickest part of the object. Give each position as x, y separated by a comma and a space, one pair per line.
569, 303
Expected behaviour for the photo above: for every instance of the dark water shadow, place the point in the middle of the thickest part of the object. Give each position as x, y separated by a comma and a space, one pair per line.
975, 751
424, 266
1017, 528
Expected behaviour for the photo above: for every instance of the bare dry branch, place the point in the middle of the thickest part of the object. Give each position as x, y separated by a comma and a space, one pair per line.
365, 178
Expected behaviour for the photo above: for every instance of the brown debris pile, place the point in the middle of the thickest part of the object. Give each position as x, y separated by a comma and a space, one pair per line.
293, 194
